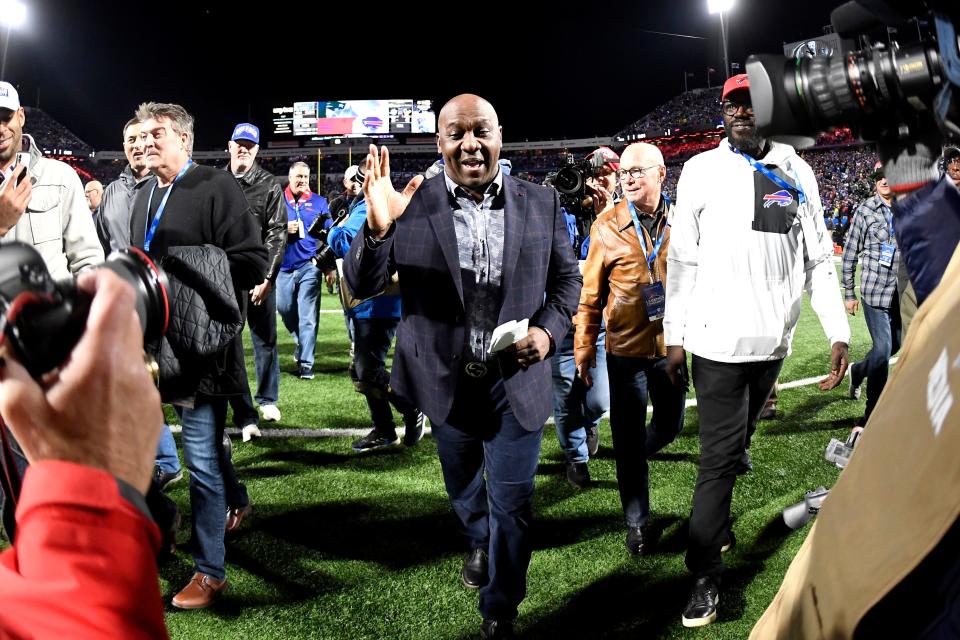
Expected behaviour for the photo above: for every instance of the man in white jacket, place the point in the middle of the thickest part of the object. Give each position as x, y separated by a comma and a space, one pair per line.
747, 238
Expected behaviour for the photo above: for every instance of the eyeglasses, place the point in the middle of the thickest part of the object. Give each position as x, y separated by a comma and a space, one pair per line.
731, 108
636, 174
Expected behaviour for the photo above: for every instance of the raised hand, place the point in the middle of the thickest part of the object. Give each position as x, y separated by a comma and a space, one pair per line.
384, 204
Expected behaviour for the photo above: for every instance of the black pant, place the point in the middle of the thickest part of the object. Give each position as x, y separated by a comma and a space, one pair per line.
730, 397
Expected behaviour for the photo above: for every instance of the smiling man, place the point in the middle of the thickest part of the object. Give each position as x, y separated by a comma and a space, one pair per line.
188, 205
747, 238
113, 220
623, 288
474, 249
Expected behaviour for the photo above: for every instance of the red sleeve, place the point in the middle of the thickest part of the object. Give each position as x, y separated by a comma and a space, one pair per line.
83, 565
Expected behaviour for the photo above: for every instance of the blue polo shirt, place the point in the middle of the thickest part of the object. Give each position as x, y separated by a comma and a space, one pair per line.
306, 209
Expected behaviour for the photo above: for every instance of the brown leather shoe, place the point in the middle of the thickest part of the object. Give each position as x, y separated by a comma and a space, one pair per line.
199, 592
235, 517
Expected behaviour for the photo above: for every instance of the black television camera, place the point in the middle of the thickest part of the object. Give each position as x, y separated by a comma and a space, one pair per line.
883, 92
42, 318
570, 181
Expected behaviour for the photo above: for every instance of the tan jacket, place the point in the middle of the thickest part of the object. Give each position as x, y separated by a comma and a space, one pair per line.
613, 274
896, 499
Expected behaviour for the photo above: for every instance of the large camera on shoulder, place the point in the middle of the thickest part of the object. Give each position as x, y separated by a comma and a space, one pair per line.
42, 318
883, 91
570, 181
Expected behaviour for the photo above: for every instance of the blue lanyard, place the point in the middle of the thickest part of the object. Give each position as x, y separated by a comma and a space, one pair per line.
889, 222
651, 258
148, 238
780, 182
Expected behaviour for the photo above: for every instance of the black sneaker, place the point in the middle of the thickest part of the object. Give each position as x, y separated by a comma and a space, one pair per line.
496, 630
701, 607
475, 571
730, 543
375, 440
164, 479
578, 475
306, 373
593, 440
413, 428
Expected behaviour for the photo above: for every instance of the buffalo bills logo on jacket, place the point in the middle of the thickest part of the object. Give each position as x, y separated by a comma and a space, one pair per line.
780, 198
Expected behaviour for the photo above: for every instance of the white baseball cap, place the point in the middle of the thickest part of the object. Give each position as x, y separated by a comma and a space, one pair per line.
9, 98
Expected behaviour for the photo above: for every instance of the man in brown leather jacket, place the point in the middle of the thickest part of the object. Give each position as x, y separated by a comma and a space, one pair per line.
623, 280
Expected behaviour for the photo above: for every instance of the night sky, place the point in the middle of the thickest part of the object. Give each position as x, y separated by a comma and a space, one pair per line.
551, 72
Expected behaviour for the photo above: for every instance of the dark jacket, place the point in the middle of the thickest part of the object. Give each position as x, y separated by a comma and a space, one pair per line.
205, 323
113, 215
265, 198
540, 281
207, 207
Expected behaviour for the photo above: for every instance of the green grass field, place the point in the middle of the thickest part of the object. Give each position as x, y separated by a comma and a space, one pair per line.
352, 546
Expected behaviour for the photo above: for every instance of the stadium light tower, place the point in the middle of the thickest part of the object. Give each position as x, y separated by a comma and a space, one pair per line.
13, 14
722, 7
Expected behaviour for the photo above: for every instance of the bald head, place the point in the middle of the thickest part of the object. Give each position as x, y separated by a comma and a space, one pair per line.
646, 160
469, 139
467, 102
641, 154
94, 192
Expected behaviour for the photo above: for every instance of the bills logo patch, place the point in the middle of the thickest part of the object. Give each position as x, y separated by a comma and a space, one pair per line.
372, 122
781, 198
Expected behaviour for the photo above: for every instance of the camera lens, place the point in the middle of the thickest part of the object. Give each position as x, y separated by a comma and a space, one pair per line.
149, 283
568, 181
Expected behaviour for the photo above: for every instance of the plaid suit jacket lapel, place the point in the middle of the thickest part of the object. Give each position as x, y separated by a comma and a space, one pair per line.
437, 201
514, 222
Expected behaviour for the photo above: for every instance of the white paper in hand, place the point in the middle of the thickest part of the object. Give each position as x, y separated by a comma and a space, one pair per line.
507, 334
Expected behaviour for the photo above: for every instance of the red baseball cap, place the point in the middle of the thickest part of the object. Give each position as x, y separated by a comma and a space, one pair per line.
735, 83
607, 156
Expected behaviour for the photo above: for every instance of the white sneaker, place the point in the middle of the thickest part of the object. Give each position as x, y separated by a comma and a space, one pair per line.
270, 413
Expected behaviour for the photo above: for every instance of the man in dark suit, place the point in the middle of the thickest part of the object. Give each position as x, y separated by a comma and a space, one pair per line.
474, 249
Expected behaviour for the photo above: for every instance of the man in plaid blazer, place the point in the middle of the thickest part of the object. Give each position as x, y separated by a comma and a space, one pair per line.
474, 249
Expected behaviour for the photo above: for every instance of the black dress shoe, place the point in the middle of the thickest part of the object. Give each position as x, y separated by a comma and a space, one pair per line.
701, 608
475, 571
745, 463
578, 475
496, 629
635, 540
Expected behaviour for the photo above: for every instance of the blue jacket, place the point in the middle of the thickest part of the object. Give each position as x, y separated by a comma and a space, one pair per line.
300, 250
339, 240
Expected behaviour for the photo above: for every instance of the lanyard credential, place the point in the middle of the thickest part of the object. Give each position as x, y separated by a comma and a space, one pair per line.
780, 182
643, 244
152, 230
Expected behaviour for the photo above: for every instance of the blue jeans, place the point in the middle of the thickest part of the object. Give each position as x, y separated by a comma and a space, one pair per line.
298, 295
167, 458
632, 380
575, 407
263, 334
372, 338
489, 463
201, 440
884, 328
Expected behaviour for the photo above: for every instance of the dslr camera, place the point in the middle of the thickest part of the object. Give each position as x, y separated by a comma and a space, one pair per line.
42, 319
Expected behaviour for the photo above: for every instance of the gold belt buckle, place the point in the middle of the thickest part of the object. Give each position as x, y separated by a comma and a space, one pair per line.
476, 369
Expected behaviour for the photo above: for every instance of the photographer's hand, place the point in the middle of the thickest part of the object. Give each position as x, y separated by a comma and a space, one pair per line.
13, 199
103, 409
602, 199
384, 204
